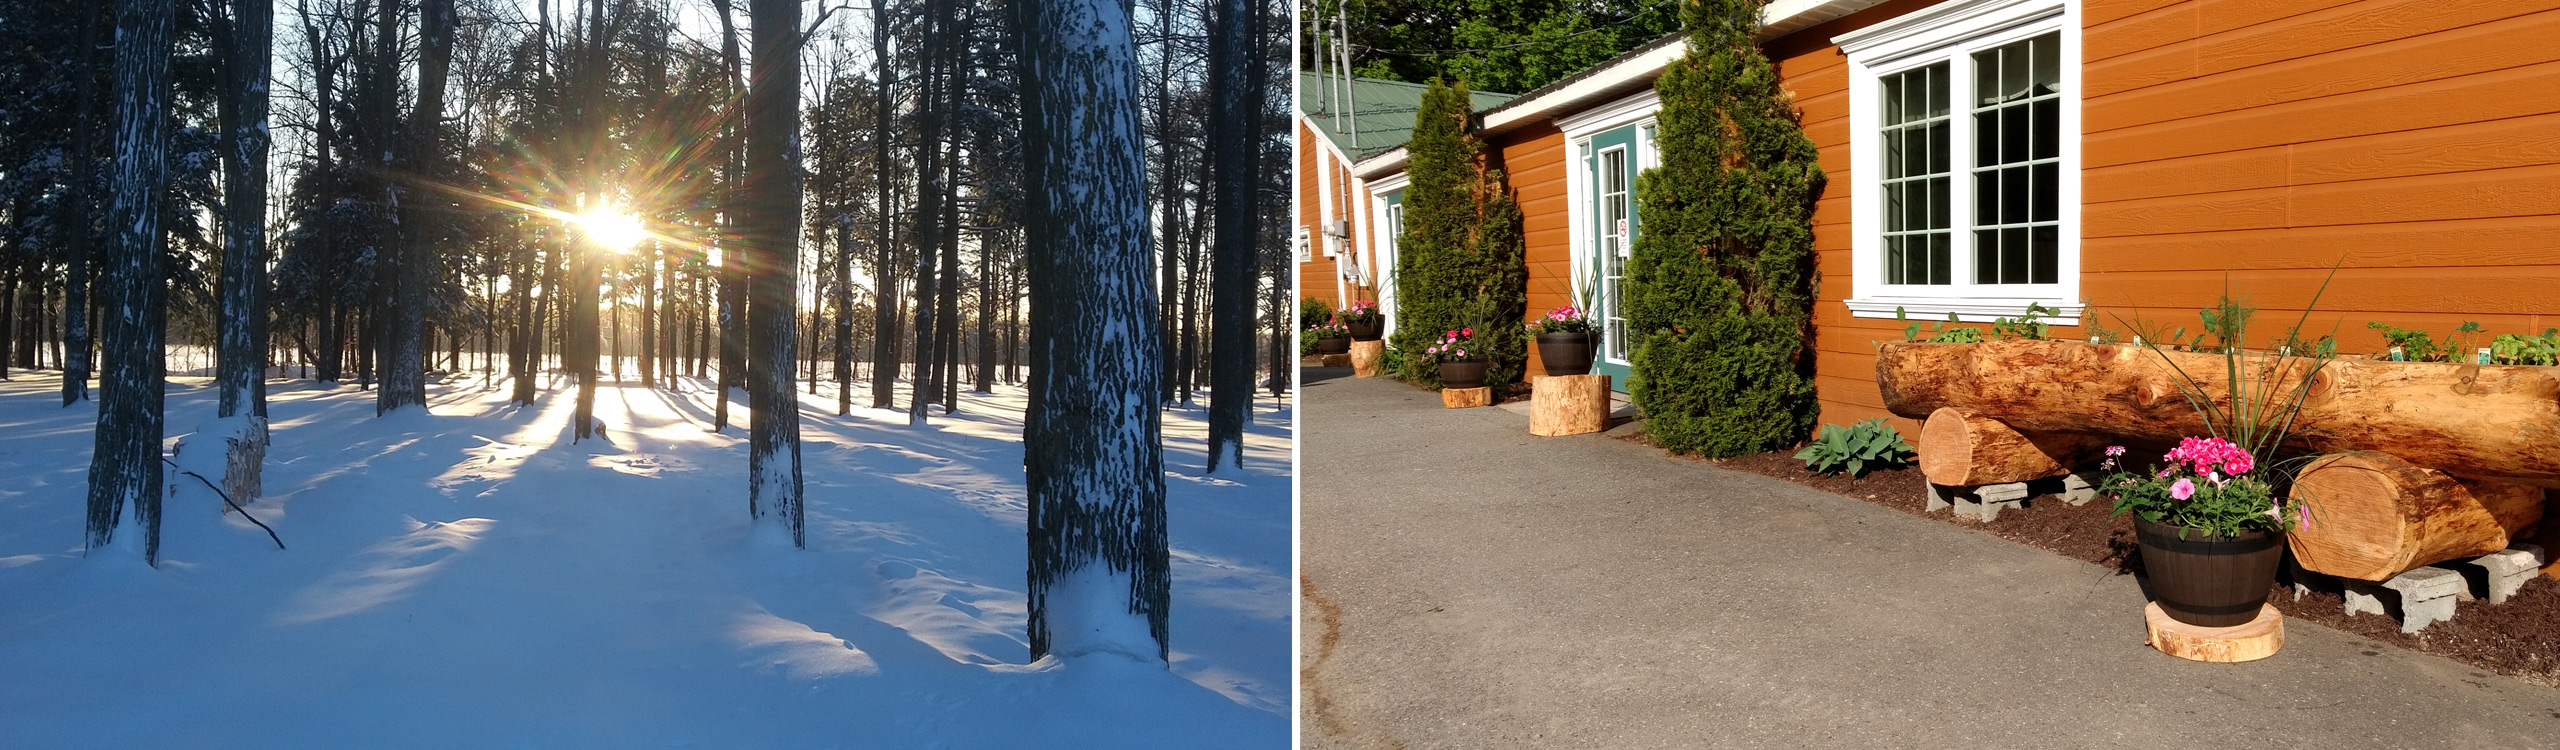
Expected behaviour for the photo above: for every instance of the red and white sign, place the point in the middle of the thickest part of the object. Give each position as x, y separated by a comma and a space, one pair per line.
1622, 229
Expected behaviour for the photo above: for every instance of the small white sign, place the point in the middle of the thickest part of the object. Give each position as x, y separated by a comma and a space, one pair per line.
1622, 229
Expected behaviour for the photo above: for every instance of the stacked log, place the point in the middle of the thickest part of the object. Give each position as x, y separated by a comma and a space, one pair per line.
2374, 516
2484, 421
1960, 447
1568, 405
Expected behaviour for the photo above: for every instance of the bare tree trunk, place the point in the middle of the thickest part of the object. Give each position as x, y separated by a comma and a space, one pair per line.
1092, 437
772, 206
404, 376
844, 310
75, 274
582, 325
1235, 130
124, 469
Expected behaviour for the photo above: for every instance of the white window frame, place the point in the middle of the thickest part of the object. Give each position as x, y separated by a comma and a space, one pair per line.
1639, 111
1951, 33
1389, 224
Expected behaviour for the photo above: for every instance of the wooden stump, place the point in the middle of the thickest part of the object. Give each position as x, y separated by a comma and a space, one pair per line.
2248, 641
1460, 398
244, 457
1364, 358
2374, 516
1960, 447
1333, 360
1568, 405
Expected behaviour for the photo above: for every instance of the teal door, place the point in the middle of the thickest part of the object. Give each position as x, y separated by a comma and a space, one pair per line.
1611, 162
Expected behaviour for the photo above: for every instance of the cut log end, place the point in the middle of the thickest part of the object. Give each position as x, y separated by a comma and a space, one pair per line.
1364, 358
1962, 448
2375, 516
1569, 405
2249, 641
1461, 398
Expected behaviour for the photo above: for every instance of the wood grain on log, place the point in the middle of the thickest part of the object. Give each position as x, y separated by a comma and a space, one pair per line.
1568, 405
1960, 447
1460, 398
2248, 641
1364, 358
2493, 421
2374, 516
1333, 360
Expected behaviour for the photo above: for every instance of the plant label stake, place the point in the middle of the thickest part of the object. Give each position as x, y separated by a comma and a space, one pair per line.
2398, 356
2484, 355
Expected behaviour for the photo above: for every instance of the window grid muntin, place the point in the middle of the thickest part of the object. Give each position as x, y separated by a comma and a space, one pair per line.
2016, 231
1613, 193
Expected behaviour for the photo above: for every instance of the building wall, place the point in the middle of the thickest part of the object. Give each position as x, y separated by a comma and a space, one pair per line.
1318, 204
1535, 164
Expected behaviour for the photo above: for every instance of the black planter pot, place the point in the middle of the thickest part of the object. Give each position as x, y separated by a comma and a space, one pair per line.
1462, 374
1567, 353
1373, 330
1333, 345
2210, 581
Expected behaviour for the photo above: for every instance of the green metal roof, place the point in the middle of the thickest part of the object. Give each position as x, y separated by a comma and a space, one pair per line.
1384, 111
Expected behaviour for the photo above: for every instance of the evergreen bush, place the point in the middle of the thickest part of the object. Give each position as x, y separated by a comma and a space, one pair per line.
1461, 261
1720, 282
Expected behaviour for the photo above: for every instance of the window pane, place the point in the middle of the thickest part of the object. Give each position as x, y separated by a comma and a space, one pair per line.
1893, 196
2048, 128
1894, 262
1986, 256
1986, 197
2048, 191
2013, 134
1938, 202
1915, 206
1893, 154
2013, 256
1986, 78
1938, 147
2047, 251
2047, 51
1893, 100
1937, 75
1986, 138
2014, 195
1941, 267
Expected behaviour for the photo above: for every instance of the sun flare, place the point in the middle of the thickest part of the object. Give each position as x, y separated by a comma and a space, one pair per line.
613, 229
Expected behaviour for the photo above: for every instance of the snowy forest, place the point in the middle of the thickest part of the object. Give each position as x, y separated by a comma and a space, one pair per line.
274, 270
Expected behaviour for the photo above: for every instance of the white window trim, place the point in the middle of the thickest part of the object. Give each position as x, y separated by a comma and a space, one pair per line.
1951, 32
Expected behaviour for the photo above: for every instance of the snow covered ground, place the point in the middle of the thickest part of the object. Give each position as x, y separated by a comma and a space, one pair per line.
471, 579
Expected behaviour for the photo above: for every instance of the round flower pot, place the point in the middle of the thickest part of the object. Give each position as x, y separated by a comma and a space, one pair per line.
1333, 345
1373, 330
1462, 374
1567, 353
2205, 580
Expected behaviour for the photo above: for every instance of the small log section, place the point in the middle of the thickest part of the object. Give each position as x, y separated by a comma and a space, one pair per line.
2483, 421
2248, 641
1364, 358
1568, 405
2374, 516
1333, 360
1960, 447
1460, 398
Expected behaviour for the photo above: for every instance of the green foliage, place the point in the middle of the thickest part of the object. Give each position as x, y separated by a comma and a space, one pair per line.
2414, 345
2254, 409
2099, 333
1855, 448
1313, 312
2512, 349
1461, 262
1513, 46
1391, 361
1720, 282
2030, 326
2226, 509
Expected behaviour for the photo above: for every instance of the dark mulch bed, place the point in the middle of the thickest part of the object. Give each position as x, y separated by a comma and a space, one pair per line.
2520, 638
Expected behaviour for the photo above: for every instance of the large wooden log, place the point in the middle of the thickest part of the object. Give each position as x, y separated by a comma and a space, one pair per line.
1364, 358
1960, 447
2491, 421
2374, 516
1568, 405
1462, 398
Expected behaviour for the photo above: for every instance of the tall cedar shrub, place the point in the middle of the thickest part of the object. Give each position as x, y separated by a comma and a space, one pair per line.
1460, 263
1719, 284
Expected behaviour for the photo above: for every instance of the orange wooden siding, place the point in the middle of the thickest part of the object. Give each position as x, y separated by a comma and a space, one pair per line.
1316, 276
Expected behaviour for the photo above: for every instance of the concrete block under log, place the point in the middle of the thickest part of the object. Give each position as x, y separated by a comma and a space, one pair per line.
2427, 596
1982, 503
1960, 447
2079, 489
2375, 516
1568, 405
2509, 569
1460, 398
1364, 358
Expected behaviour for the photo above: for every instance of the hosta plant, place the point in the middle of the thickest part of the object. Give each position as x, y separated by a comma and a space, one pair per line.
1855, 448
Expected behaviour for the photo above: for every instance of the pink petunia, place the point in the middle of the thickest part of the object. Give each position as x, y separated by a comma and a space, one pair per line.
2185, 488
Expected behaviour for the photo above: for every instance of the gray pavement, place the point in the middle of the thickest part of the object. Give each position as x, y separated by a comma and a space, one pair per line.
1468, 585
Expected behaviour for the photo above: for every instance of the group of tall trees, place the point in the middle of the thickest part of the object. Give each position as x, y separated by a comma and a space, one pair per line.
1514, 46
1083, 197
1461, 263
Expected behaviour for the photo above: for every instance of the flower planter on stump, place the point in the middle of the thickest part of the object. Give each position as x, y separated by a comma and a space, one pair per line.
1566, 353
1462, 374
2210, 592
1333, 345
1374, 329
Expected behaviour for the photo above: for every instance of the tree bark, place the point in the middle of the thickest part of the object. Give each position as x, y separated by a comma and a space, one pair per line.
124, 469
75, 274
772, 209
2481, 421
1100, 567
404, 376
1235, 96
932, 172
2374, 516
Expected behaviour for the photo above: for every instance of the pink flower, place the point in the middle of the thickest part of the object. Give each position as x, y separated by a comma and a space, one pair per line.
2185, 488
1453, 334
2115, 450
1467, 331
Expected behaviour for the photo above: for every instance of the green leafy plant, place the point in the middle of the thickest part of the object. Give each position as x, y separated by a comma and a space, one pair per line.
1855, 449
1564, 319
1313, 312
1391, 361
2210, 485
2414, 345
2513, 349
2030, 326
1939, 333
1363, 312
2099, 333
